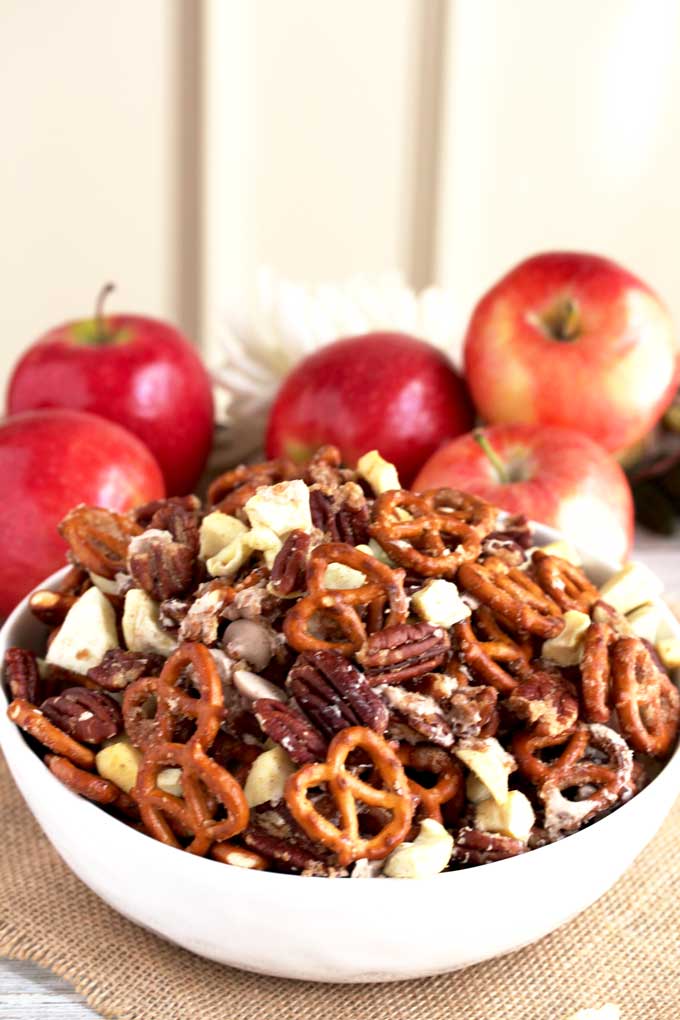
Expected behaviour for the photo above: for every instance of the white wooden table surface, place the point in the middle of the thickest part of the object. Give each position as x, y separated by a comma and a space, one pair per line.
29, 993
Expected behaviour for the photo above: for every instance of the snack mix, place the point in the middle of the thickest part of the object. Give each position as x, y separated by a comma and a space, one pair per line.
321, 673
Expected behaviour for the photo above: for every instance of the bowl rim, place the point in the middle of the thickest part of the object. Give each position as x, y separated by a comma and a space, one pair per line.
104, 827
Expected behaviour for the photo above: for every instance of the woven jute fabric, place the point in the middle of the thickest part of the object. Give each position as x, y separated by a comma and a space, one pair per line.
625, 950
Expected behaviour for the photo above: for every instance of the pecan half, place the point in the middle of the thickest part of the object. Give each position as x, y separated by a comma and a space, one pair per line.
290, 729
545, 698
420, 712
290, 566
343, 515
181, 520
202, 620
172, 612
437, 708
119, 668
404, 651
473, 847
22, 676
334, 694
324, 469
159, 565
144, 514
89, 716
287, 854
98, 538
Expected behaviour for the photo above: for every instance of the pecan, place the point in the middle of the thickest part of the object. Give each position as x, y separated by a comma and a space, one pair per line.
51, 607
290, 566
181, 521
344, 515
420, 712
144, 514
473, 847
471, 712
333, 693
89, 716
159, 565
119, 668
290, 729
324, 469
21, 674
440, 710
404, 651
545, 698
172, 612
98, 538
254, 603
513, 528
288, 854
202, 619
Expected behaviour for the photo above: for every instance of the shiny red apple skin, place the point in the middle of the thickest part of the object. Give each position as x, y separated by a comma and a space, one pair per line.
385, 391
613, 381
564, 480
147, 378
49, 462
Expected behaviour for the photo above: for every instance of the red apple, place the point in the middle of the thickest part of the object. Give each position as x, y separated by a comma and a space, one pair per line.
138, 372
555, 476
49, 462
573, 340
383, 390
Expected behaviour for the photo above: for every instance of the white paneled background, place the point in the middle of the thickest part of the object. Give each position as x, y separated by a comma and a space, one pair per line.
175, 145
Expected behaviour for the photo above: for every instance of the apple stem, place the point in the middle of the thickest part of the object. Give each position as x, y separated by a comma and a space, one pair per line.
563, 321
101, 329
492, 456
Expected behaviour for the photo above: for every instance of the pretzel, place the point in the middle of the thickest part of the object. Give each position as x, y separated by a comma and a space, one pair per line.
201, 775
98, 538
231, 491
527, 743
449, 786
382, 585
90, 786
346, 788
412, 529
501, 659
612, 779
565, 583
30, 719
646, 700
596, 672
514, 597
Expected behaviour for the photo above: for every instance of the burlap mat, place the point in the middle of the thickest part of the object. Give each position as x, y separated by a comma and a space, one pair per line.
625, 949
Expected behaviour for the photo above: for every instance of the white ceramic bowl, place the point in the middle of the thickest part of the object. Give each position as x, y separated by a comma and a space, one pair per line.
323, 929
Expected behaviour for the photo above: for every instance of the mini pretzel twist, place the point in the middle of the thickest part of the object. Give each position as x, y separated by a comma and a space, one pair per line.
346, 788
565, 583
449, 785
515, 598
202, 777
490, 652
414, 529
600, 785
646, 700
231, 491
383, 585
596, 672
527, 745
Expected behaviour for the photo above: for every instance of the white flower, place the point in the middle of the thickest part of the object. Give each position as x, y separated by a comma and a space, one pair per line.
290, 320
